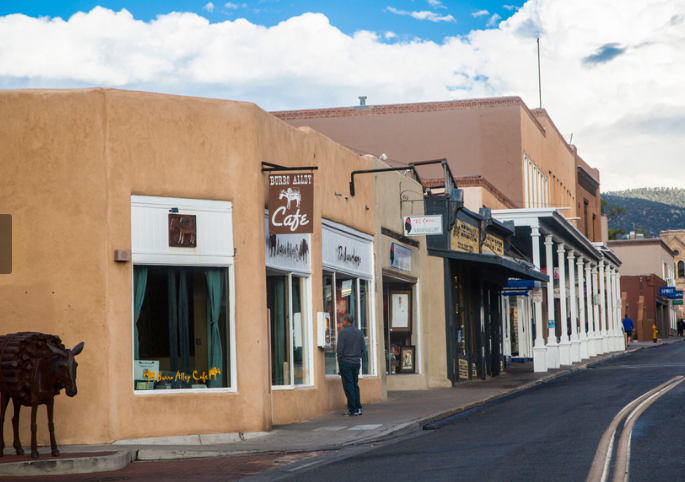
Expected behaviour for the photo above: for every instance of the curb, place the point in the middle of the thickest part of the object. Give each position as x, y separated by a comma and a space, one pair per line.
67, 466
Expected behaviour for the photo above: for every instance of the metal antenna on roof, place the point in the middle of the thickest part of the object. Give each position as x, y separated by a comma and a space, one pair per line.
539, 78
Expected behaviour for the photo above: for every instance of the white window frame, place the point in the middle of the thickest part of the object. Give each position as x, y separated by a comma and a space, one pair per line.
308, 319
211, 260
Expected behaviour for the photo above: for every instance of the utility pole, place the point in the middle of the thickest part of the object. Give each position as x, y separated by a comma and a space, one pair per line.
539, 78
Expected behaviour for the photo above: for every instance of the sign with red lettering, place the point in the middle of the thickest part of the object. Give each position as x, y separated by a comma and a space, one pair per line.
291, 203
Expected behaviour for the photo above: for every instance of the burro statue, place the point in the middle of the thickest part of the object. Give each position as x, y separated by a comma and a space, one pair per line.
34, 367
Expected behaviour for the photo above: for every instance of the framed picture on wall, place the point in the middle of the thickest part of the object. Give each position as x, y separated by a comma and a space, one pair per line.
407, 359
400, 311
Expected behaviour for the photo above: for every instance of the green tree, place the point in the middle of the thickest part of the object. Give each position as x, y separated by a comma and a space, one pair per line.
615, 233
612, 210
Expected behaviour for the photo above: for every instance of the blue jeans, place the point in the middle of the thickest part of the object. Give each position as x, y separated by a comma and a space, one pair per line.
349, 373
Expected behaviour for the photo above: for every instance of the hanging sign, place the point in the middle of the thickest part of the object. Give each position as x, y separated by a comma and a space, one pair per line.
400, 257
537, 295
422, 225
464, 238
291, 203
676, 295
667, 291
677, 302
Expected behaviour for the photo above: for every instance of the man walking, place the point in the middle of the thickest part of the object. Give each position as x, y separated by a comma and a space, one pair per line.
628, 328
681, 326
350, 349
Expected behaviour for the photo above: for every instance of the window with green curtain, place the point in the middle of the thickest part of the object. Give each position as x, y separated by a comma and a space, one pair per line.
182, 327
278, 304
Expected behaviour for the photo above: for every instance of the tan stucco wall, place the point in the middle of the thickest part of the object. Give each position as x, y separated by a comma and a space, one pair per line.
641, 259
553, 156
69, 162
390, 189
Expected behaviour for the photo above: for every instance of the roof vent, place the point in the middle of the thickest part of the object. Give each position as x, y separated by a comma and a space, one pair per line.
362, 103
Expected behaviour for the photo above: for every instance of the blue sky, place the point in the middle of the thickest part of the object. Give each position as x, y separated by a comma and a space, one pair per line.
612, 70
349, 16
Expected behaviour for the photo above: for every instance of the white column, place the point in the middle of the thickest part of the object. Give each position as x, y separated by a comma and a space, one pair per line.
615, 331
619, 307
595, 309
592, 336
546, 191
539, 349
552, 347
581, 309
564, 343
575, 341
526, 184
602, 301
610, 310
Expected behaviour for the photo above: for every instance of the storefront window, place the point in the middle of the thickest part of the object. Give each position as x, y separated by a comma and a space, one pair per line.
401, 332
289, 326
181, 332
350, 296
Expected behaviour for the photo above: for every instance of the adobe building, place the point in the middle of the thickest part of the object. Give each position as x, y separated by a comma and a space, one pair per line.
503, 154
140, 227
675, 239
648, 264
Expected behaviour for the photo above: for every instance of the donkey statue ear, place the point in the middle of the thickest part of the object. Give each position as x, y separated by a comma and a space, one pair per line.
77, 349
57, 351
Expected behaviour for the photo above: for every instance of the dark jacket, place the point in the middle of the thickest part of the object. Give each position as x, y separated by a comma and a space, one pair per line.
351, 345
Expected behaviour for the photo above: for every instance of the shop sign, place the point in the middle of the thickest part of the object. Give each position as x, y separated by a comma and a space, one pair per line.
667, 291
182, 231
677, 295
291, 203
465, 238
287, 251
494, 244
422, 225
677, 302
463, 369
346, 251
400, 257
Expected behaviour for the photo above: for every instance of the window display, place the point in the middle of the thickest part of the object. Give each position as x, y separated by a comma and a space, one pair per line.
401, 336
181, 335
290, 329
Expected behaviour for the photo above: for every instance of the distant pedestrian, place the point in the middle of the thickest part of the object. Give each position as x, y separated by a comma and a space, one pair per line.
628, 328
351, 347
681, 326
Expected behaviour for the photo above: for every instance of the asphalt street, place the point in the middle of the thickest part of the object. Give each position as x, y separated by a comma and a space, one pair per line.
548, 433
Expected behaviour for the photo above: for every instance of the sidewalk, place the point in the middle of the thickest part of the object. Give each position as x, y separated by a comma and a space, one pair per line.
402, 412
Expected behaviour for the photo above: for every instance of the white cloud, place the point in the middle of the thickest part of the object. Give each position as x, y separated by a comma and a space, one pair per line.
480, 13
612, 71
510, 7
436, 4
389, 35
235, 5
423, 15
209, 7
493, 21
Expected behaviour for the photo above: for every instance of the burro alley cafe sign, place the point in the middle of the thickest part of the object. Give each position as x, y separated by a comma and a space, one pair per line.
291, 203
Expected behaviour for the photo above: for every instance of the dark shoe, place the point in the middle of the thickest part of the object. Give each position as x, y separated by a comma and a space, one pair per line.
349, 414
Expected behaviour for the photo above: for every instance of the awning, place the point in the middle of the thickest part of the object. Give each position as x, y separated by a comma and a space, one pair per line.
503, 265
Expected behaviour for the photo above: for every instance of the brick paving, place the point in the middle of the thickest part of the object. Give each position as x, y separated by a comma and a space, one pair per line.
188, 470
13, 458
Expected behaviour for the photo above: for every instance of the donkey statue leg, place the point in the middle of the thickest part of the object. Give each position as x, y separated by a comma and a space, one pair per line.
34, 429
51, 426
4, 401
15, 427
